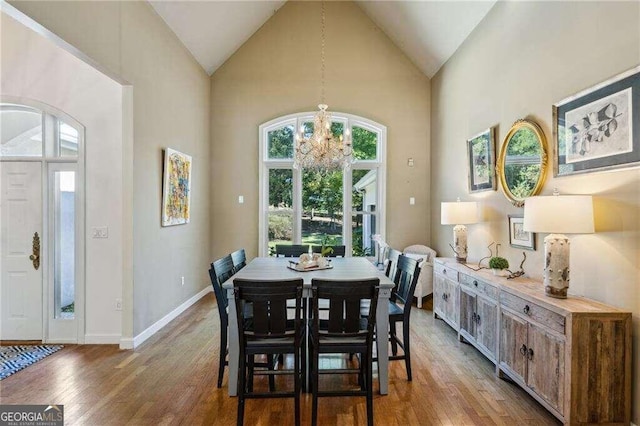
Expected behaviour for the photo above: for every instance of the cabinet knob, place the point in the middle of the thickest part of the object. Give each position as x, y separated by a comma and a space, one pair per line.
473, 317
475, 283
523, 350
526, 309
478, 319
444, 296
530, 354
444, 271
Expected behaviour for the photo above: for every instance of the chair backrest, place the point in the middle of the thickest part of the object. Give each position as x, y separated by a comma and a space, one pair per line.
221, 297
291, 250
239, 259
268, 299
337, 251
392, 262
223, 268
406, 278
345, 297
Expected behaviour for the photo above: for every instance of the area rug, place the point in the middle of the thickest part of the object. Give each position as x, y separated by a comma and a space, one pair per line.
15, 358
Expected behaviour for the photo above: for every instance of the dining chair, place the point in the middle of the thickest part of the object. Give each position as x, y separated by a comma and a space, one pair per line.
239, 260
406, 278
392, 262
291, 250
343, 332
336, 251
273, 330
223, 302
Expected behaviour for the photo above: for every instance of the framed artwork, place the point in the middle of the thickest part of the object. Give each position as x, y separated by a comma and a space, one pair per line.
176, 188
599, 128
481, 160
518, 237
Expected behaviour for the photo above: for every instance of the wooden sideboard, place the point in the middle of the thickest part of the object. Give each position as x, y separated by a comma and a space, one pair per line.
572, 355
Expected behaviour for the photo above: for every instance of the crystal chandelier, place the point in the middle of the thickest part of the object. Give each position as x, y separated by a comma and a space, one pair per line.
322, 150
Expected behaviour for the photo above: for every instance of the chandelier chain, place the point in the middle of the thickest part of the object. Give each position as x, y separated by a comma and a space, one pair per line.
322, 57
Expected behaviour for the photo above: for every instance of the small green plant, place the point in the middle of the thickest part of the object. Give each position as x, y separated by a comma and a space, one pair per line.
498, 263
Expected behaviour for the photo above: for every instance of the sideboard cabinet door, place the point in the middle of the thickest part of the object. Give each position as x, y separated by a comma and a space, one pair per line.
545, 375
513, 345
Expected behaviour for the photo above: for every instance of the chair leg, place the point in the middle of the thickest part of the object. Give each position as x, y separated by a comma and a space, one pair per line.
392, 337
250, 368
271, 363
223, 355
241, 390
314, 387
296, 385
407, 349
369, 383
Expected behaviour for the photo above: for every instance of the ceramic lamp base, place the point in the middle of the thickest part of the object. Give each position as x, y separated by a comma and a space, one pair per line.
556, 265
460, 243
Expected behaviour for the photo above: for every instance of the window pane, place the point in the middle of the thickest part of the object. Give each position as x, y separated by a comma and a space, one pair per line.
64, 242
364, 144
68, 140
21, 130
322, 205
281, 142
280, 217
365, 190
363, 228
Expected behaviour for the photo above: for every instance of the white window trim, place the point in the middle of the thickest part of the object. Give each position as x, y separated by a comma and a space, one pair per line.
265, 164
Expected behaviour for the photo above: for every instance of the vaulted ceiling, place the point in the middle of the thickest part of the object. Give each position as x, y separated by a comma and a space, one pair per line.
428, 32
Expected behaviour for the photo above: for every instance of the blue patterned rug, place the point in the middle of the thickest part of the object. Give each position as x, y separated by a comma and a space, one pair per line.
15, 358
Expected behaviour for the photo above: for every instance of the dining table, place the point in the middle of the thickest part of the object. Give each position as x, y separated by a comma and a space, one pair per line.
346, 268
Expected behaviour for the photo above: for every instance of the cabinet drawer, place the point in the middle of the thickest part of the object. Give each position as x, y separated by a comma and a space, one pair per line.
537, 313
479, 286
447, 272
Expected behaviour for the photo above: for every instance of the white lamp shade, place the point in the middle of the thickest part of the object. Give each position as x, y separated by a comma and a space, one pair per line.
459, 213
559, 214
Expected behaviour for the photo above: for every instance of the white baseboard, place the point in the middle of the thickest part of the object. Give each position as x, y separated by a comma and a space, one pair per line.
154, 328
101, 339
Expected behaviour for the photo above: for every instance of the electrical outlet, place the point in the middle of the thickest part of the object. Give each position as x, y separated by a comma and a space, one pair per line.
100, 232
182, 281
118, 304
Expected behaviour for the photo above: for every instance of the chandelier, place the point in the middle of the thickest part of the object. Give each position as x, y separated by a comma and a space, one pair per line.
322, 150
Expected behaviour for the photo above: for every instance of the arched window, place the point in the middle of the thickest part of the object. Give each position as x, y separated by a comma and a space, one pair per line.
300, 206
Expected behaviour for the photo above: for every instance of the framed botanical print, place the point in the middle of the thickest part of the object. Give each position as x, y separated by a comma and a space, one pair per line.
176, 188
599, 128
481, 160
518, 237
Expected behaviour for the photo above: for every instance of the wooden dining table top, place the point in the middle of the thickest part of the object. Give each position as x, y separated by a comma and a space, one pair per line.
275, 268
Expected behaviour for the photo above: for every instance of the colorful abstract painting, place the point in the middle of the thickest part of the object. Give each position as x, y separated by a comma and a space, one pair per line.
176, 191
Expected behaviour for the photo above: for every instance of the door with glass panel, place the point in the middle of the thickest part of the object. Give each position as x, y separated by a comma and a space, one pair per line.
41, 231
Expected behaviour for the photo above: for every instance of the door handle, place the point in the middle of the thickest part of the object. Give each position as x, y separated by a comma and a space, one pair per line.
35, 257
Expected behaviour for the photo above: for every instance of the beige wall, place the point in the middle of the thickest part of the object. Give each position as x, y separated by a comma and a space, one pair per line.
277, 72
521, 59
170, 109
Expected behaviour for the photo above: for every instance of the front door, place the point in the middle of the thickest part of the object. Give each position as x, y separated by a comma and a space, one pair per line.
21, 276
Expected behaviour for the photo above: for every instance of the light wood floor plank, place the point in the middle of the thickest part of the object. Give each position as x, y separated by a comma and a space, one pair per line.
171, 380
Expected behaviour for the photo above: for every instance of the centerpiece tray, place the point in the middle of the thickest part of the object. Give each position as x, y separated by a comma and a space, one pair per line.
298, 266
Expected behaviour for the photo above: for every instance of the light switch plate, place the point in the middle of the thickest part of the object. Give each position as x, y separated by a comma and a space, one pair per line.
240, 199
412, 201
100, 232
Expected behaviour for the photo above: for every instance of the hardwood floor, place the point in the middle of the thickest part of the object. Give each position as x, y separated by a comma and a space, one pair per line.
171, 379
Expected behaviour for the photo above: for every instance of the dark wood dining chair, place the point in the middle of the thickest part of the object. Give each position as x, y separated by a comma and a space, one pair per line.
392, 262
272, 330
291, 250
239, 260
223, 302
343, 332
336, 251
406, 278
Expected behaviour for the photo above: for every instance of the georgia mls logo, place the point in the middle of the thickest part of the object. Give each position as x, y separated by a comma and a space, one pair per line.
31, 415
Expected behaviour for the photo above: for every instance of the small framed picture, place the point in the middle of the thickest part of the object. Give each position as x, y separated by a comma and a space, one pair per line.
599, 128
518, 237
481, 159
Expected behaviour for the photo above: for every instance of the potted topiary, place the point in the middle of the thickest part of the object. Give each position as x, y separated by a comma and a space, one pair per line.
498, 264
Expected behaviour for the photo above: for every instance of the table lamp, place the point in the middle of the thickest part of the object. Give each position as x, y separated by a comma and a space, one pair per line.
459, 213
558, 215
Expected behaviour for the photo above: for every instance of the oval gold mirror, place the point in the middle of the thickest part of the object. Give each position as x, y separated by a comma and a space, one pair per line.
522, 164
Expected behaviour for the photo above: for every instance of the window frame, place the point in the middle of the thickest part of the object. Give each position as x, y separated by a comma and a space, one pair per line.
266, 164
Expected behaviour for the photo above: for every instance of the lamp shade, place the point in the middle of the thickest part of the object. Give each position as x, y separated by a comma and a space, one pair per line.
459, 213
559, 214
